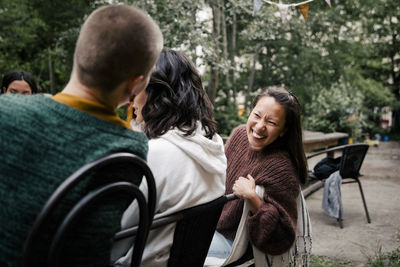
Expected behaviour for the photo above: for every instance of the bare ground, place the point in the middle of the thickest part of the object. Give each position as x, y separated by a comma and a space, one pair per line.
381, 184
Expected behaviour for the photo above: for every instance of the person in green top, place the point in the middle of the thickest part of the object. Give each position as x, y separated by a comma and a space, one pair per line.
44, 140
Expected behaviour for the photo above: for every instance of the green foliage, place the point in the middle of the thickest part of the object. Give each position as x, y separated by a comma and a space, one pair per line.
385, 259
352, 49
227, 118
375, 96
379, 258
335, 109
321, 261
18, 36
394, 134
122, 112
34, 32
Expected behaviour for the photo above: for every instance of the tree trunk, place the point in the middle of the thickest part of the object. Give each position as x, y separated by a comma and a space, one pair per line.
232, 56
395, 77
51, 73
394, 52
212, 87
251, 77
225, 50
144, 4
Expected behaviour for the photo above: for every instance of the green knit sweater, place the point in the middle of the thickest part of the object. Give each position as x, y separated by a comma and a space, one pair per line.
42, 143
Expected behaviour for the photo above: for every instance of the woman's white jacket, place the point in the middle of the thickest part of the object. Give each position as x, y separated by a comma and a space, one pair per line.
188, 171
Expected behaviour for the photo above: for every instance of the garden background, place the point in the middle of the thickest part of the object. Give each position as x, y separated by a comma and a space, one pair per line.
342, 62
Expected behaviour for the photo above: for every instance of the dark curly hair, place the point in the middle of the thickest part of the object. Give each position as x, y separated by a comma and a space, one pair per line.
176, 98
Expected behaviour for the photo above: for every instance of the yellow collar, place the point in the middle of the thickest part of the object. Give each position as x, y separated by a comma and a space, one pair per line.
93, 108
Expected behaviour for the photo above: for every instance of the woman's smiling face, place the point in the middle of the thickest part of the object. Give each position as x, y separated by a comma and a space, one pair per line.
265, 123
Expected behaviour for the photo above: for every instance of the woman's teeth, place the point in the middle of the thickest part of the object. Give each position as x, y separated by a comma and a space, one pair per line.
258, 136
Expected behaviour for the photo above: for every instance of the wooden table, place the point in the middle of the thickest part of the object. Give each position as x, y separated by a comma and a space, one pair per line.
317, 140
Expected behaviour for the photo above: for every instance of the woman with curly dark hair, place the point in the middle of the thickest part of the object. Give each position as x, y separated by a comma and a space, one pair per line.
186, 155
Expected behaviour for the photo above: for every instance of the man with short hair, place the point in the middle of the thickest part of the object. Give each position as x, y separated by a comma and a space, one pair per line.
45, 140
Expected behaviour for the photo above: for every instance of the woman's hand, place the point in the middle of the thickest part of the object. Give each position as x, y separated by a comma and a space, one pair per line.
245, 188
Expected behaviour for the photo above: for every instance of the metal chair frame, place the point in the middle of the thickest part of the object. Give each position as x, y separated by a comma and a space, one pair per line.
345, 172
178, 256
146, 210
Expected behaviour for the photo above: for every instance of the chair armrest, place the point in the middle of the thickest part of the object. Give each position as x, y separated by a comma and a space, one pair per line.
231, 197
132, 231
177, 216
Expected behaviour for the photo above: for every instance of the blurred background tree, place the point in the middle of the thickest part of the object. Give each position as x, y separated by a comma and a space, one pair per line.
39, 36
343, 62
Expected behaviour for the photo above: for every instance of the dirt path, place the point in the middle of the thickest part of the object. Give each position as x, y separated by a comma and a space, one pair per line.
381, 184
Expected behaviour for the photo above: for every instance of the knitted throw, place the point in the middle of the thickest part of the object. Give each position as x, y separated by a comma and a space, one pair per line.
42, 143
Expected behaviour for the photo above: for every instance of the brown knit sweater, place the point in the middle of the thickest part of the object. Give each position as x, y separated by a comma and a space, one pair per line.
273, 228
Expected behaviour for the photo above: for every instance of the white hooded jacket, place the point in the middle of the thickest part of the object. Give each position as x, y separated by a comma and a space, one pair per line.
188, 171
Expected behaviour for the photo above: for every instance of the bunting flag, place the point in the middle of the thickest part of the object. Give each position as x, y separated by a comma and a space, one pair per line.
257, 5
304, 10
284, 8
328, 2
289, 5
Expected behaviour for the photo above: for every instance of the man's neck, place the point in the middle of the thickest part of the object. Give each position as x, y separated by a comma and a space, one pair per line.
75, 88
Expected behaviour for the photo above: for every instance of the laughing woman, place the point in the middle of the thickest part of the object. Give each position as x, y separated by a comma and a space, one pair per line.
267, 152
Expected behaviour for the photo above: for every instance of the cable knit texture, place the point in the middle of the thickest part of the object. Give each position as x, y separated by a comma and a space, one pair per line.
42, 143
273, 228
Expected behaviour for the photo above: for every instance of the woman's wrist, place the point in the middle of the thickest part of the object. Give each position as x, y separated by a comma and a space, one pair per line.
254, 197
255, 202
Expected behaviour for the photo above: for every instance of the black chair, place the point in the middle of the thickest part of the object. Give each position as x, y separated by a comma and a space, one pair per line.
104, 193
194, 231
350, 164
